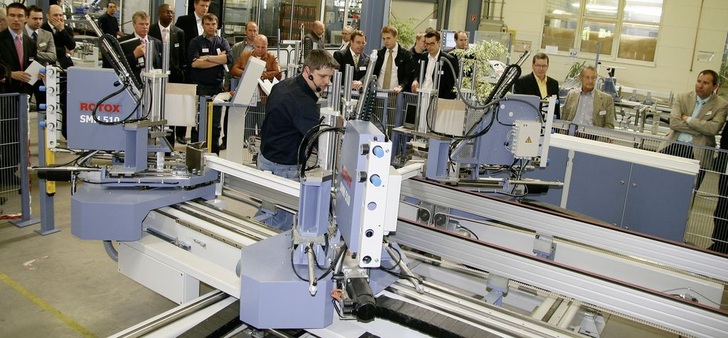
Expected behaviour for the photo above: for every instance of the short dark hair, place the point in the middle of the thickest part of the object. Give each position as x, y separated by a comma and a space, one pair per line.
540, 56
434, 34
457, 35
198, 1
17, 5
111, 3
711, 73
33, 8
319, 58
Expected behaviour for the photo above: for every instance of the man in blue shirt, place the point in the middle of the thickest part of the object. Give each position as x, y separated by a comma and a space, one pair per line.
210, 56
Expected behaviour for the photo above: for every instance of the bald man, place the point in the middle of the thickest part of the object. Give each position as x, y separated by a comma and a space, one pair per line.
346, 37
314, 39
272, 71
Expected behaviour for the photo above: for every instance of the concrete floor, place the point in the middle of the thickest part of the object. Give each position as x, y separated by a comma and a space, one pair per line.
61, 286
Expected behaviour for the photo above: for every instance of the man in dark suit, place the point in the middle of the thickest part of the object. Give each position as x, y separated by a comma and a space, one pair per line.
428, 62
354, 55
537, 83
400, 68
191, 24
165, 31
17, 51
62, 35
135, 51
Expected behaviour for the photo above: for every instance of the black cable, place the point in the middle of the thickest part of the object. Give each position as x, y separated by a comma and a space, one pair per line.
309, 148
399, 259
325, 273
300, 154
104, 99
384, 129
470, 231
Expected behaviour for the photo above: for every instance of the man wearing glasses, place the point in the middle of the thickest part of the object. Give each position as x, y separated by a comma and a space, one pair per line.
354, 56
589, 106
428, 62
537, 83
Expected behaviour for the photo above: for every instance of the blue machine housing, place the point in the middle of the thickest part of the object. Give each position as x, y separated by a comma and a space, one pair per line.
83, 131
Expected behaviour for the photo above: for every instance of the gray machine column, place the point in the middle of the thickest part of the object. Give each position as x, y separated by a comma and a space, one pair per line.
374, 16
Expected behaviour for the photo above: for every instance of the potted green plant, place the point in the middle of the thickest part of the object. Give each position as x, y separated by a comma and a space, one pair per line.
478, 56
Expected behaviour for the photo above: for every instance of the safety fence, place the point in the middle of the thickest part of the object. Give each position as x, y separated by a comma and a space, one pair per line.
14, 159
707, 223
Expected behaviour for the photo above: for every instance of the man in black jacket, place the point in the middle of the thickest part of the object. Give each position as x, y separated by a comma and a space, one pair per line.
191, 24
354, 55
397, 74
428, 61
62, 35
135, 51
537, 83
17, 51
165, 31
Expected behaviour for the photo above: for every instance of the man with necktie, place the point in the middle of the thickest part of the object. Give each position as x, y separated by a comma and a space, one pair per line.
46, 54
135, 51
17, 51
394, 64
354, 56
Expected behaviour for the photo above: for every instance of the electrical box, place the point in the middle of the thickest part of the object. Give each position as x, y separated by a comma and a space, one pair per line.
526, 139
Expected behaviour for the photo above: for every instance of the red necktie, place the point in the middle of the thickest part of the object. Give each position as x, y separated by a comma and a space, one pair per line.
19, 49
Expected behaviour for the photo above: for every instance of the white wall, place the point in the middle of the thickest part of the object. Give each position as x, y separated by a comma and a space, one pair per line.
671, 70
420, 11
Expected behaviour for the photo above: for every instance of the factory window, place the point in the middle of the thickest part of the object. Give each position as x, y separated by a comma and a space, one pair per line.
623, 29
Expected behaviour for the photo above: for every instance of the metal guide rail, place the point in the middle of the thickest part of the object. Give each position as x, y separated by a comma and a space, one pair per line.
650, 249
658, 309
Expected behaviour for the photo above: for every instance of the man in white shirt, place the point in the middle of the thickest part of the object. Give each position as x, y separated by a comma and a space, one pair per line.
430, 60
346, 37
394, 64
46, 54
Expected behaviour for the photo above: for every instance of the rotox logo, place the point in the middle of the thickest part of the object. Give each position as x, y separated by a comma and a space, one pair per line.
103, 108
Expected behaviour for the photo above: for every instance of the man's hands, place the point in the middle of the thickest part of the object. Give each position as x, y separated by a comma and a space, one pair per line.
20, 76
140, 50
58, 24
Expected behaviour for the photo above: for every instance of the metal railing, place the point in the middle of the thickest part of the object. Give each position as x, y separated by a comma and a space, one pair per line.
14, 159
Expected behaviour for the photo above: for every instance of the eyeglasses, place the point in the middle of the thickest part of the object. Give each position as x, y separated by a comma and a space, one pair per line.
430, 43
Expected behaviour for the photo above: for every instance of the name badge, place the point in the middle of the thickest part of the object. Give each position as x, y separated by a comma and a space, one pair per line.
603, 112
176, 45
205, 50
140, 61
362, 67
42, 44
